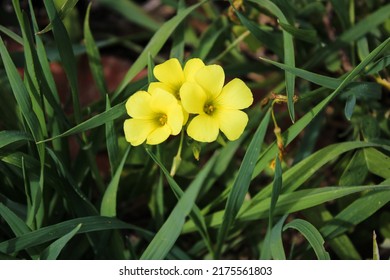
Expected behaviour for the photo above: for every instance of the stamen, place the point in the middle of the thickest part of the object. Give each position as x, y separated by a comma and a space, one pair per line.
163, 119
209, 109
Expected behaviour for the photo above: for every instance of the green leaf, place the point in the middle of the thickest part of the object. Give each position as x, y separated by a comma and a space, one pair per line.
312, 235
66, 8
10, 137
53, 250
358, 211
94, 56
379, 65
321, 80
97, 120
195, 214
294, 130
289, 203
17, 225
364, 26
271, 40
276, 242
166, 237
178, 40
377, 162
112, 142
307, 35
362, 91
154, 46
12, 35
349, 106
209, 38
131, 12
45, 234
356, 170
289, 53
242, 182
21, 94
108, 206
294, 177
65, 49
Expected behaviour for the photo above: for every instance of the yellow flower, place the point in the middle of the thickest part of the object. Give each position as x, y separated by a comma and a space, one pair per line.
217, 107
154, 117
172, 76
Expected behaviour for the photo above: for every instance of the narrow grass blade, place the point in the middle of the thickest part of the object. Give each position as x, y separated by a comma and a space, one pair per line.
94, 56
297, 127
349, 106
289, 53
178, 40
154, 46
17, 225
304, 199
307, 35
45, 234
65, 49
312, 235
11, 137
11, 34
299, 173
62, 13
379, 65
100, 119
132, 12
197, 183
108, 206
289, 203
377, 162
321, 80
242, 182
276, 242
112, 142
209, 38
53, 251
358, 211
166, 237
21, 94
364, 26
269, 39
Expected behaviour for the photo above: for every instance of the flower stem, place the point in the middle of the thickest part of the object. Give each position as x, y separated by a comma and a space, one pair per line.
177, 159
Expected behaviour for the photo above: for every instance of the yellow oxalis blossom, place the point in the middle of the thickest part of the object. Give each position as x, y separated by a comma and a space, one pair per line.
154, 117
217, 107
172, 76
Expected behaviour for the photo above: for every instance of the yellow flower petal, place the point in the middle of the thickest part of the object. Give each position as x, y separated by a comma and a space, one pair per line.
191, 68
193, 98
138, 105
175, 119
211, 78
162, 101
158, 135
170, 72
136, 130
156, 85
186, 115
235, 95
203, 128
231, 122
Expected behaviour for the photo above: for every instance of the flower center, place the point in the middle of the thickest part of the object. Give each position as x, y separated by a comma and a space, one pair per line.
209, 109
162, 119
